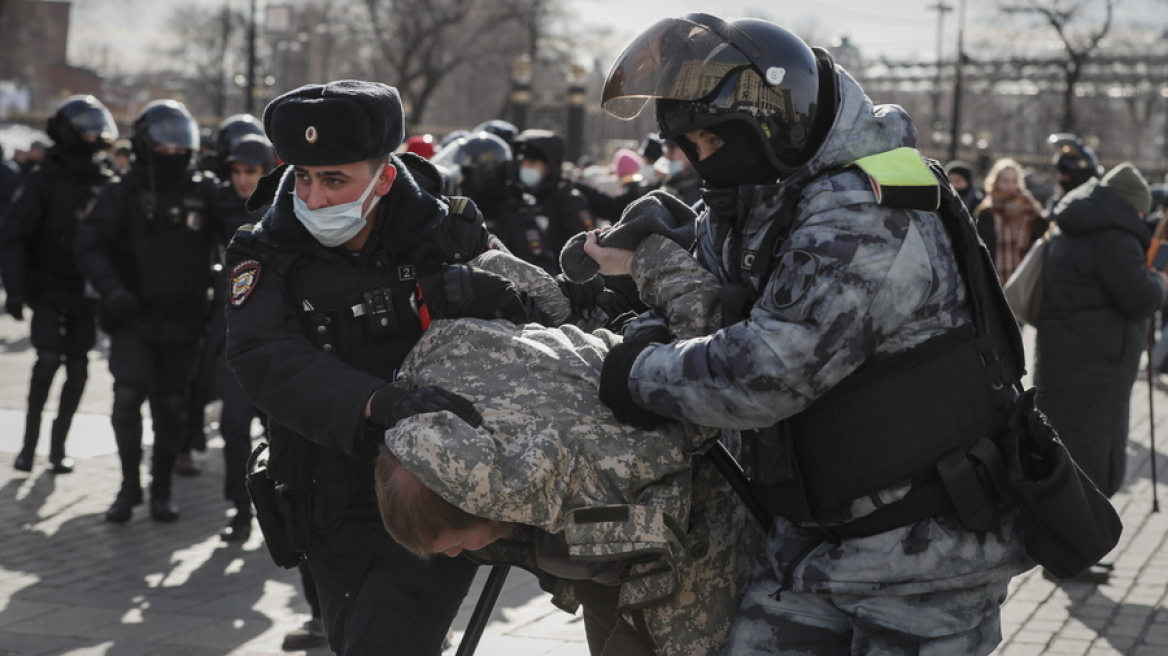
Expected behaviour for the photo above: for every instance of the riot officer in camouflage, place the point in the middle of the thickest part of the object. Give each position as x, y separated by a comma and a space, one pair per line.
837, 301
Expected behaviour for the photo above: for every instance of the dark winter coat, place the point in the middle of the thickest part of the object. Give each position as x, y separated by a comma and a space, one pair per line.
1098, 295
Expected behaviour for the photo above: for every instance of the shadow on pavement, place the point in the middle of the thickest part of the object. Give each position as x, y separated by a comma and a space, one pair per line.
73, 581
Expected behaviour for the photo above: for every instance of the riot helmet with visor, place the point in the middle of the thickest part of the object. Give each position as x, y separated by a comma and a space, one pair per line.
703, 71
82, 124
478, 166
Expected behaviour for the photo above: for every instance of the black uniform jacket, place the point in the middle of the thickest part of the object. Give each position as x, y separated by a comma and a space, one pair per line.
37, 259
299, 340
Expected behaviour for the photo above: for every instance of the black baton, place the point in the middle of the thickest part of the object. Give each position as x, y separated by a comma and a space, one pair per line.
482, 611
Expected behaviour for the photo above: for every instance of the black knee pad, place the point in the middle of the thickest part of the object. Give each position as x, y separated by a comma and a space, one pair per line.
170, 411
45, 366
77, 368
127, 400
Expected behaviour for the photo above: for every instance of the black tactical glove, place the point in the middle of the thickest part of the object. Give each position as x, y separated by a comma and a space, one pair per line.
392, 404
461, 290
614, 385
586, 297
123, 306
14, 305
625, 297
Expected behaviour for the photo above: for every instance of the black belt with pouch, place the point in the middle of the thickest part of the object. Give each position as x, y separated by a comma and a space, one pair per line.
272, 509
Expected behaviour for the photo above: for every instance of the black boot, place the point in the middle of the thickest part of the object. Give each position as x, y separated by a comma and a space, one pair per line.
126, 419
76, 374
239, 528
23, 462
32, 433
38, 393
162, 510
122, 508
61, 464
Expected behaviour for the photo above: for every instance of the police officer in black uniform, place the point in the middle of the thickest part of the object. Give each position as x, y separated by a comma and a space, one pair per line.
230, 132
328, 292
247, 160
147, 246
568, 211
479, 166
40, 269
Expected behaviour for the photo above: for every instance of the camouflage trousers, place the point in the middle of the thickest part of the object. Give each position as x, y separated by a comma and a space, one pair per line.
964, 621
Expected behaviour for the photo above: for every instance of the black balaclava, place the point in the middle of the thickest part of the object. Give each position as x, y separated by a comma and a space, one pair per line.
170, 171
741, 160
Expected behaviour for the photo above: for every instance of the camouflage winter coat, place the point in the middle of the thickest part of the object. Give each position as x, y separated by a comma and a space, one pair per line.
550, 455
853, 280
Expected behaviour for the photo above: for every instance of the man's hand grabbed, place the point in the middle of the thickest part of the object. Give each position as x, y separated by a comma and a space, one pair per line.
390, 405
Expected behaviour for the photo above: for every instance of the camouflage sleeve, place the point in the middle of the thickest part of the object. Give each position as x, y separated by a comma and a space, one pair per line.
529, 278
851, 281
547, 444
670, 279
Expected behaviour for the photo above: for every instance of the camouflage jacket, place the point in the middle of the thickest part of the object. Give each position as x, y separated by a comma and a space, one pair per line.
853, 280
550, 455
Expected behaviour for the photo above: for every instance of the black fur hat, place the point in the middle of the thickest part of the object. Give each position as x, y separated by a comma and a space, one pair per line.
336, 123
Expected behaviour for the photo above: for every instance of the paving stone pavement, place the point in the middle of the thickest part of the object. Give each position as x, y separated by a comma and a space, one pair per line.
72, 584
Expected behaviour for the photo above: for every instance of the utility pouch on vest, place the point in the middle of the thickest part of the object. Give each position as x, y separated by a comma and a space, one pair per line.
932, 401
267, 502
776, 480
1067, 523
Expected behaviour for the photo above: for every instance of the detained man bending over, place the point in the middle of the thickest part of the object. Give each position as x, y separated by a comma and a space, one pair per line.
632, 524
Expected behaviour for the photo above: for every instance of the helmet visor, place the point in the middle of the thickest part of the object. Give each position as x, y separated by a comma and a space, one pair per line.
675, 59
176, 131
95, 125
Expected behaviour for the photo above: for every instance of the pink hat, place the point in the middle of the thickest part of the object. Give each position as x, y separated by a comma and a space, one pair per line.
626, 162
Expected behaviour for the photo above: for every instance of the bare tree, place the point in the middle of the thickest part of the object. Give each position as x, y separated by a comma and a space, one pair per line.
421, 42
1080, 33
209, 46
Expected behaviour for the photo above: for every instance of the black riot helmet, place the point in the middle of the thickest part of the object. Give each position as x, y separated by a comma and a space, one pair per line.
253, 149
498, 127
82, 125
232, 129
167, 123
479, 164
703, 71
1075, 162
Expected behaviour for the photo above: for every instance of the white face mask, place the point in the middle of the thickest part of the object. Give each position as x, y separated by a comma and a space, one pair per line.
676, 166
530, 177
336, 224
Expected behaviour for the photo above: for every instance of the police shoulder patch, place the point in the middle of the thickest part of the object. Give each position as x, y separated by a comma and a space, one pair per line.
244, 277
794, 277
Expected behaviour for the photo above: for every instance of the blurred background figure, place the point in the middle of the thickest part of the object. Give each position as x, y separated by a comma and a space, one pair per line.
1098, 296
248, 159
505, 130
9, 181
480, 167
232, 131
27, 160
422, 145
964, 183
147, 246
121, 156
1074, 163
540, 155
39, 266
681, 180
1009, 220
